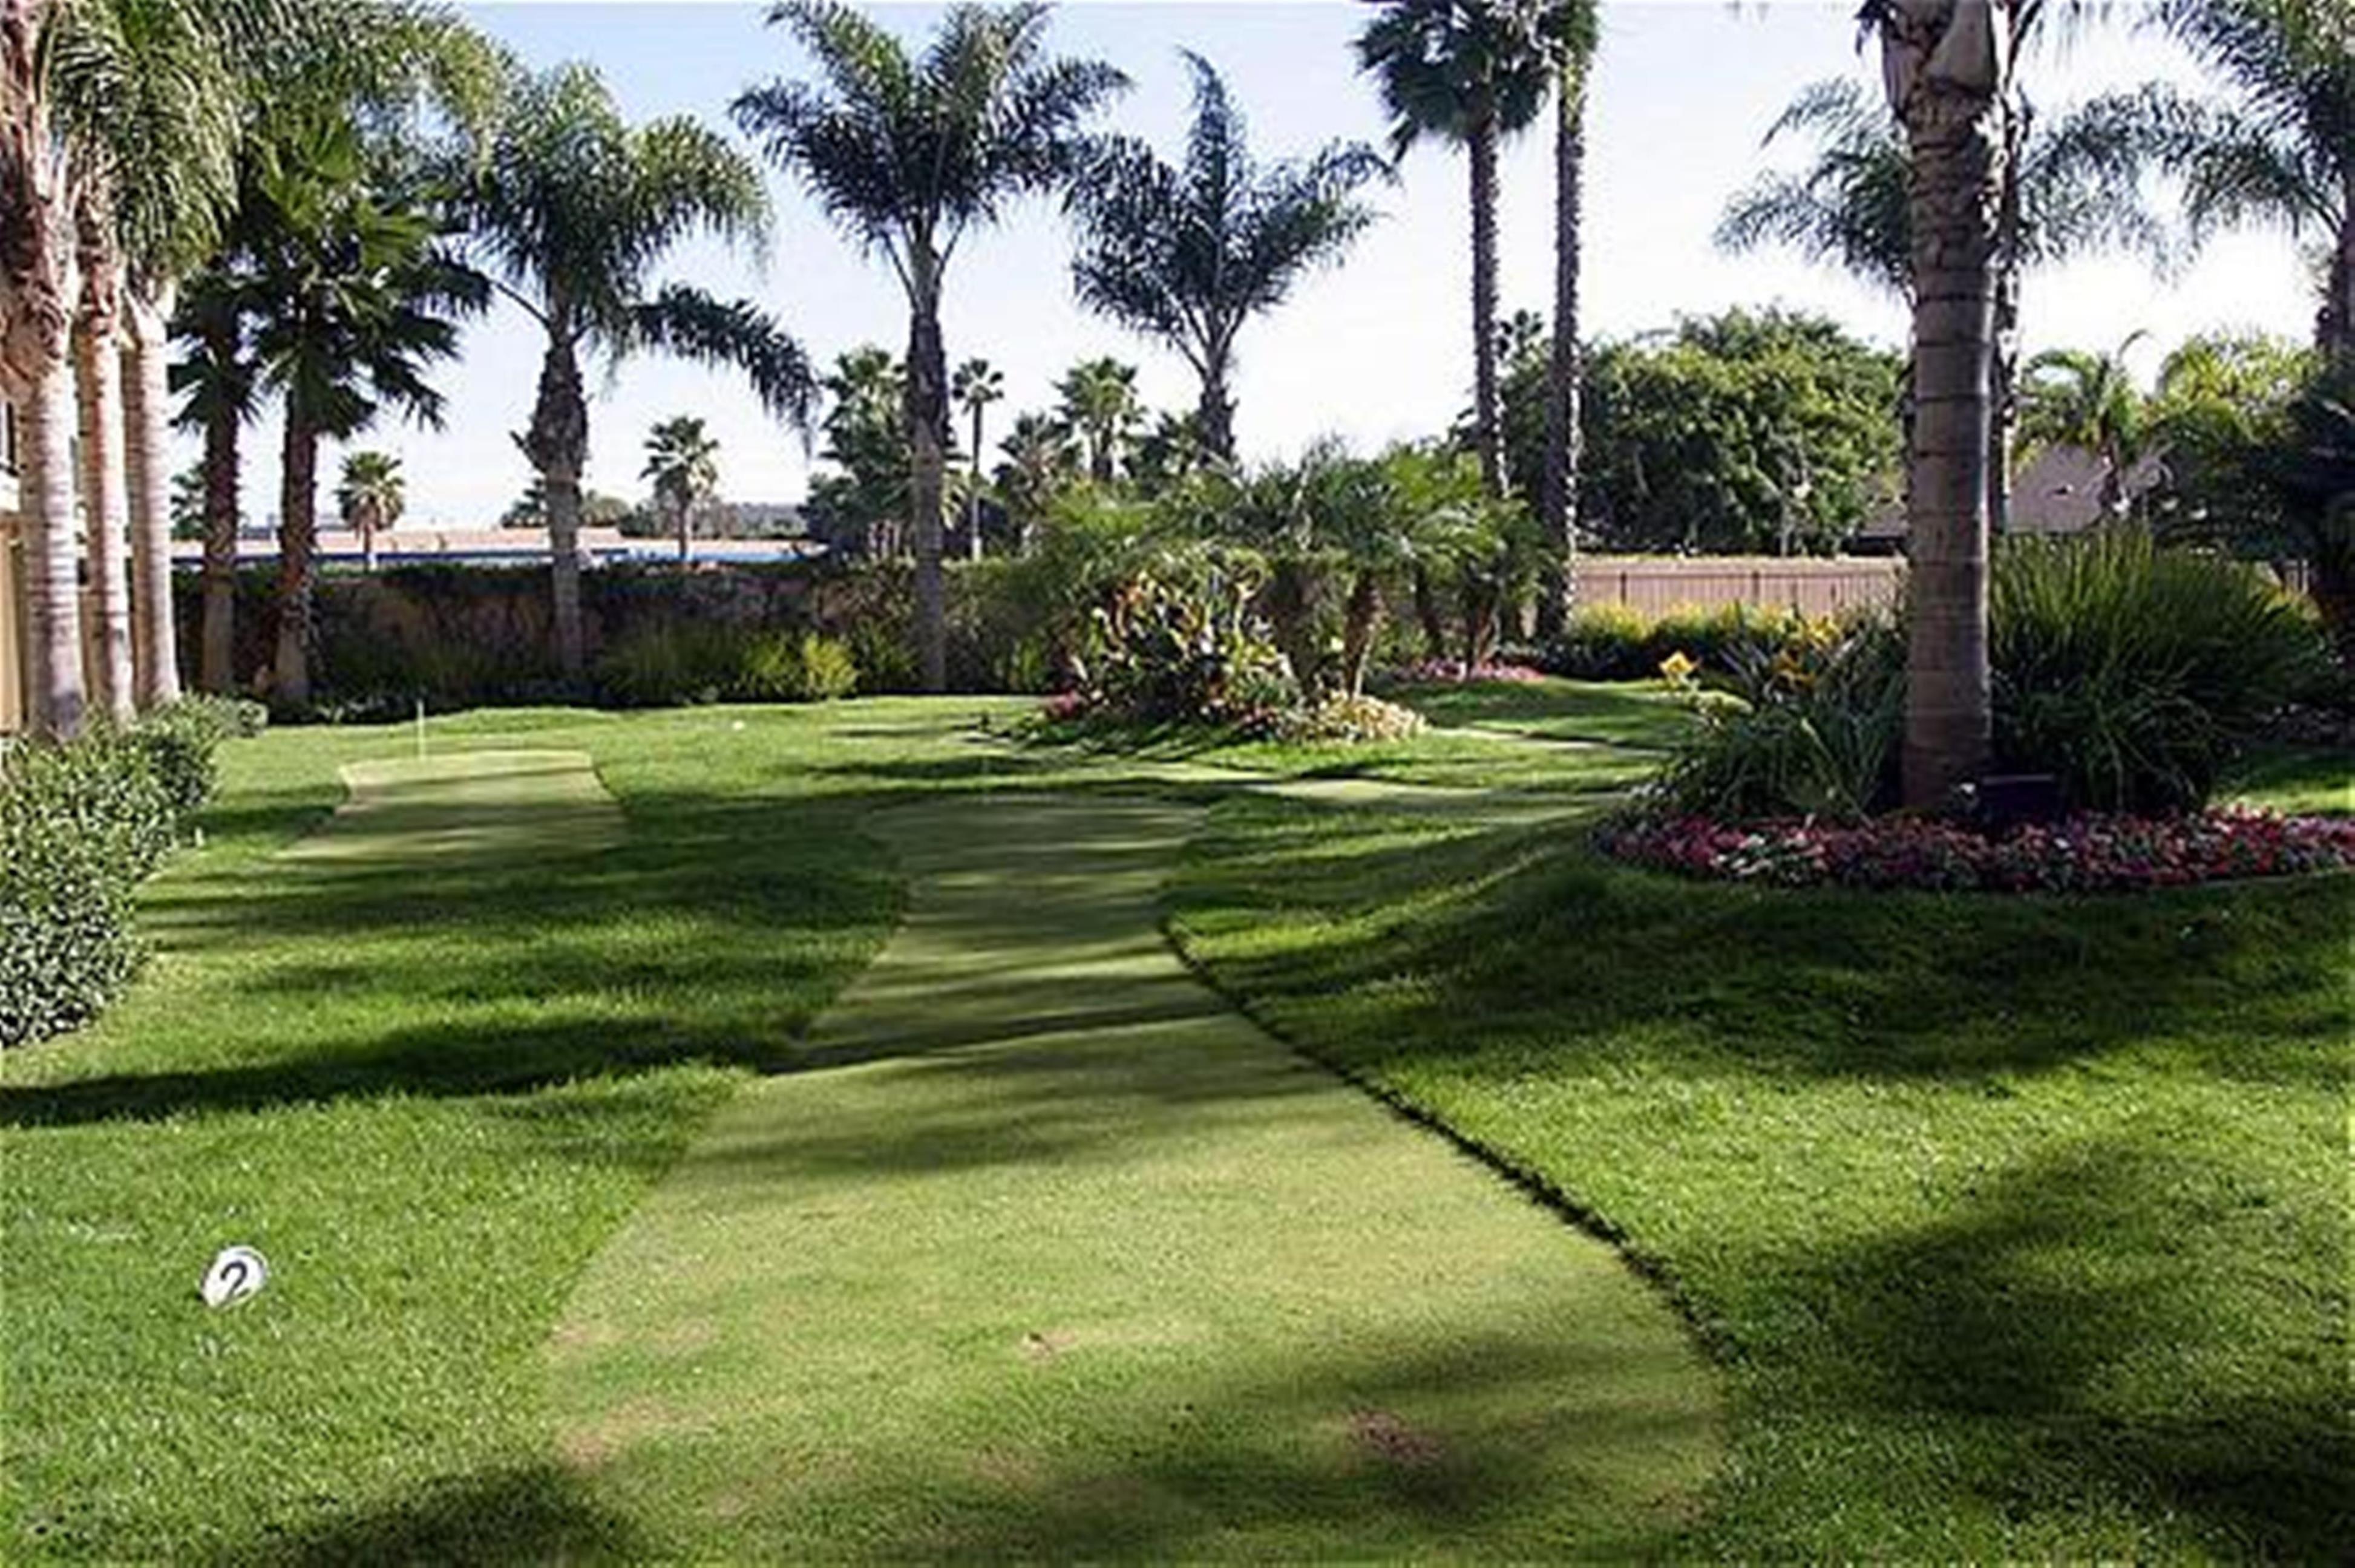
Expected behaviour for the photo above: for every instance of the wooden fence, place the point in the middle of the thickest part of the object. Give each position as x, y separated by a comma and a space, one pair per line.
1651, 584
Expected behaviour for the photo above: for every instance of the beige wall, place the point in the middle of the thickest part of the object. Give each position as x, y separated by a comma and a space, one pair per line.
1654, 584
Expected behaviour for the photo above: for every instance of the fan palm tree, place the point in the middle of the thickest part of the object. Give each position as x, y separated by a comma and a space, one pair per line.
907, 152
356, 300
2277, 149
371, 498
1469, 72
572, 210
1572, 31
1041, 463
1187, 254
977, 385
682, 463
2076, 398
1100, 403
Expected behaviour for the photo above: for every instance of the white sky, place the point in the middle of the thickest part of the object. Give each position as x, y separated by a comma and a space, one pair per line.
1375, 350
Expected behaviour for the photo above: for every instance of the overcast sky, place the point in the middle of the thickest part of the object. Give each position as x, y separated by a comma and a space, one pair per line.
1375, 350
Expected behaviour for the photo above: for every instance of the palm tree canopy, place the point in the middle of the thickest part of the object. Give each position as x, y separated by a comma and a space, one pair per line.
2072, 398
682, 460
906, 151
1447, 67
975, 385
2079, 182
1187, 252
372, 481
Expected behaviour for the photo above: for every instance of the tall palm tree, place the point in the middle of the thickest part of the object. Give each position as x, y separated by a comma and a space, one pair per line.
907, 152
1100, 402
2277, 149
356, 300
573, 208
1188, 254
215, 377
683, 464
2076, 398
1572, 31
1469, 72
1947, 68
975, 386
371, 498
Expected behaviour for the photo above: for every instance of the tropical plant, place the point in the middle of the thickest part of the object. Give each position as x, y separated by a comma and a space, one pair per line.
573, 210
1188, 254
187, 503
1469, 72
863, 507
371, 498
355, 299
1100, 404
2310, 471
1042, 462
907, 152
2070, 397
683, 465
977, 385
2277, 149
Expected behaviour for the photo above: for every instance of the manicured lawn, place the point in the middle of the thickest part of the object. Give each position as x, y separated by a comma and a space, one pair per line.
2020, 1227
2012, 1227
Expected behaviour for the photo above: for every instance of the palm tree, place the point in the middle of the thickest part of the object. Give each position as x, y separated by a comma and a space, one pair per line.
907, 152
2279, 152
355, 299
370, 498
977, 385
1041, 463
1189, 254
683, 463
1100, 402
1469, 72
215, 377
1573, 30
572, 210
2089, 401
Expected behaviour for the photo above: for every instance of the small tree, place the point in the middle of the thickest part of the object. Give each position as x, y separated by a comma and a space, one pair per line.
977, 384
371, 498
683, 464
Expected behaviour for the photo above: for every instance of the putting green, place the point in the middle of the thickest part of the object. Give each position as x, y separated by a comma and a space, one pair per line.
471, 803
1049, 1253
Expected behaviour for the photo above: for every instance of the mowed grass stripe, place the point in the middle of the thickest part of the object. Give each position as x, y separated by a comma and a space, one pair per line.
475, 803
1048, 1254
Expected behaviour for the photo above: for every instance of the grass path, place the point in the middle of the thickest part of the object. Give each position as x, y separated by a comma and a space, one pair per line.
502, 804
1049, 1253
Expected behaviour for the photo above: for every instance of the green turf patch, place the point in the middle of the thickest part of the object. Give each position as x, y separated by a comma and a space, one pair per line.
1047, 1253
481, 804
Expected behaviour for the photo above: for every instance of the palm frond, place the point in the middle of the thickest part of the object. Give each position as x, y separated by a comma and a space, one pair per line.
690, 325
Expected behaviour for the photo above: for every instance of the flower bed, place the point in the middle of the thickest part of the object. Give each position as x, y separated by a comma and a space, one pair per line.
1454, 672
2082, 855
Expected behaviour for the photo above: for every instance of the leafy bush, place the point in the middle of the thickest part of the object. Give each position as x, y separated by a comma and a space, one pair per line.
80, 826
2135, 673
1810, 727
780, 667
1617, 643
1166, 651
666, 665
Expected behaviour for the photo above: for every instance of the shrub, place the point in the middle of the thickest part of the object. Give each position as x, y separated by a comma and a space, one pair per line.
780, 667
1340, 718
1809, 728
1171, 651
1616, 642
80, 826
666, 665
2135, 673
828, 670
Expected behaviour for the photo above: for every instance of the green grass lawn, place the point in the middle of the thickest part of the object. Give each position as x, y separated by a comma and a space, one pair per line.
2012, 1227
2020, 1227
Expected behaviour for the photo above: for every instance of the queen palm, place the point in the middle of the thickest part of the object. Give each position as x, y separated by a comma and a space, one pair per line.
572, 211
1100, 403
1188, 254
1571, 30
371, 498
683, 465
975, 386
909, 151
1469, 72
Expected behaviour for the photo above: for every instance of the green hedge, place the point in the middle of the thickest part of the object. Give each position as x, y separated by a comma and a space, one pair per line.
81, 825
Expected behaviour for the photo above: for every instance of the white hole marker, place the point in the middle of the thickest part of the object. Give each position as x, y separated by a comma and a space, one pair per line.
236, 1273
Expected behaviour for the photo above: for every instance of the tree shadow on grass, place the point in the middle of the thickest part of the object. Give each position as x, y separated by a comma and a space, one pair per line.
2055, 1306
537, 1513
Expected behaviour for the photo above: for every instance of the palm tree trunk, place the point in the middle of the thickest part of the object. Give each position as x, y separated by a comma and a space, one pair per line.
1951, 101
972, 492
298, 536
558, 446
1362, 616
2335, 330
53, 598
146, 408
98, 363
1557, 587
1487, 429
686, 544
217, 662
927, 414
1215, 412
1428, 615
